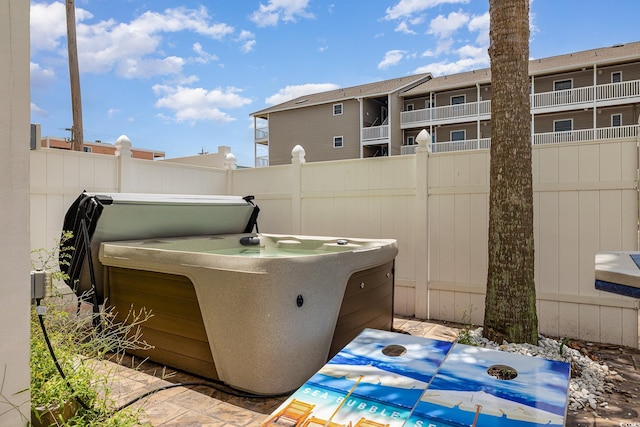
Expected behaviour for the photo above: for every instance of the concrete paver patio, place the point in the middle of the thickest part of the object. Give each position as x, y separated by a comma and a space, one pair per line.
196, 405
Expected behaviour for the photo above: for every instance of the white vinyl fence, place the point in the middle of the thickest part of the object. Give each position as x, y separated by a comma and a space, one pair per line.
434, 204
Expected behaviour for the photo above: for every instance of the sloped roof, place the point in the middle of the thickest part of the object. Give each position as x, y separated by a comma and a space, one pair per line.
537, 67
384, 87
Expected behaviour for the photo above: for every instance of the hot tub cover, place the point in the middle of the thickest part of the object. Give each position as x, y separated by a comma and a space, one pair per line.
94, 218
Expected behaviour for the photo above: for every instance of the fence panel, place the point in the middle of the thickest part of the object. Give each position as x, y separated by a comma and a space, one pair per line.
435, 205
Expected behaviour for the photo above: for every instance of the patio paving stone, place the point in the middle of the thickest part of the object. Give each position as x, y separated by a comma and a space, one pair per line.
203, 406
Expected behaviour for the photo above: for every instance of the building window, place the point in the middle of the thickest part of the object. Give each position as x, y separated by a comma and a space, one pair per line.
563, 84
409, 107
616, 120
563, 125
458, 135
616, 77
87, 149
459, 99
337, 142
411, 140
337, 109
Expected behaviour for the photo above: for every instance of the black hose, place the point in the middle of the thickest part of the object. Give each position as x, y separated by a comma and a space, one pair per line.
216, 385
55, 361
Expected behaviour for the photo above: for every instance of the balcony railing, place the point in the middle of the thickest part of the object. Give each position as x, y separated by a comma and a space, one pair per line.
262, 161
540, 102
620, 90
408, 149
375, 134
581, 135
585, 135
469, 144
261, 134
471, 109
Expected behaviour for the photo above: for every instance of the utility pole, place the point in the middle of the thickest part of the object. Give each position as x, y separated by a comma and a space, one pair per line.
74, 76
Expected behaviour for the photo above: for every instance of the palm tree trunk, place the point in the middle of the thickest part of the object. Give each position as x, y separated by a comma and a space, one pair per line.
510, 304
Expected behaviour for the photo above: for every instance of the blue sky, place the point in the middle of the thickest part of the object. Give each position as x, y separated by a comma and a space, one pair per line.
184, 76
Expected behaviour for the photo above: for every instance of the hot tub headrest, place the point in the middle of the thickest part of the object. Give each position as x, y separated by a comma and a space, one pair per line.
95, 218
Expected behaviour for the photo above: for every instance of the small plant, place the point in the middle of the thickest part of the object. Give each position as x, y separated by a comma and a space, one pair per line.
562, 344
82, 397
464, 336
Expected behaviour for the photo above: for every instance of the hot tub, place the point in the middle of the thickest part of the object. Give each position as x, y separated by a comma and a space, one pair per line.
260, 312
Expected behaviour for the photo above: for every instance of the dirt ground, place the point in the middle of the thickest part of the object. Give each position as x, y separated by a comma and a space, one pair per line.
623, 409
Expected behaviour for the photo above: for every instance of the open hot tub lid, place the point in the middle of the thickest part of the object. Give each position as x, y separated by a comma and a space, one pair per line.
94, 218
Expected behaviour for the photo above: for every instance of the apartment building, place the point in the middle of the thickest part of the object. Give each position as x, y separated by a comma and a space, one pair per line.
350, 123
580, 96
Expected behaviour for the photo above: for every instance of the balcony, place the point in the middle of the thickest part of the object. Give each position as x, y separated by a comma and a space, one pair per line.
375, 135
261, 135
563, 100
262, 161
446, 114
466, 145
408, 149
581, 135
585, 135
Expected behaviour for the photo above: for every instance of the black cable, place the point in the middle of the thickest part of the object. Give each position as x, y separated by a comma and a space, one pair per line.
216, 385
55, 360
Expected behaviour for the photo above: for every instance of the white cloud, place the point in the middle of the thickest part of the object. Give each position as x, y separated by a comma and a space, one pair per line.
112, 112
131, 49
202, 56
41, 77
181, 19
391, 58
480, 24
291, 92
470, 57
37, 111
48, 25
247, 41
444, 46
274, 11
248, 46
443, 27
145, 68
407, 8
403, 27
198, 104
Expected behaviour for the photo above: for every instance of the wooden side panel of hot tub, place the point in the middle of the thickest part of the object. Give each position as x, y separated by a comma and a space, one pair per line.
176, 329
367, 303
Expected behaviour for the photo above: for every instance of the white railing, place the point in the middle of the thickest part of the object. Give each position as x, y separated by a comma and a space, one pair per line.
560, 137
461, 110
466, 145
618, 132
262, 161
471, 109
261, 134
375, 133
585, 135
415, 116
408, 149
562, 97
581, 135
569, 97
620, 90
